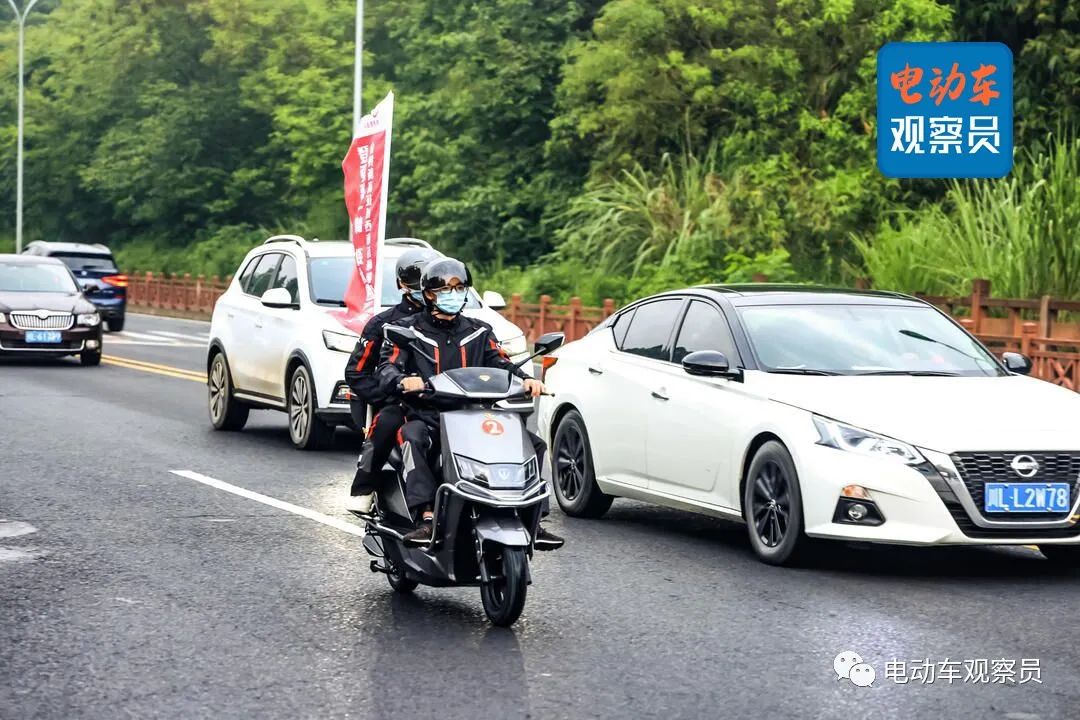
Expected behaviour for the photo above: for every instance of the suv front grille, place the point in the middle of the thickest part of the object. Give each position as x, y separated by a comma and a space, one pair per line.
31, 321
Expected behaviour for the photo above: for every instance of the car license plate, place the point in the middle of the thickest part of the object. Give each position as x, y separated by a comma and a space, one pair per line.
43, 337
1005, 497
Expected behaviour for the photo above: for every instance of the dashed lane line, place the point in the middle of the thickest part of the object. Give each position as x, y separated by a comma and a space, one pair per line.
308, 513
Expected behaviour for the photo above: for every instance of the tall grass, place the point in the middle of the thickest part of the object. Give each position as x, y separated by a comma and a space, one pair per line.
1021, 232
641, 217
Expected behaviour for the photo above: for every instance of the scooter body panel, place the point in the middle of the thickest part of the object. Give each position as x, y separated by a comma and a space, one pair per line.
486, 436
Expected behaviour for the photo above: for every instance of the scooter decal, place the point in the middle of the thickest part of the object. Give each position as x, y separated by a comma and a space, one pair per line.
491, 426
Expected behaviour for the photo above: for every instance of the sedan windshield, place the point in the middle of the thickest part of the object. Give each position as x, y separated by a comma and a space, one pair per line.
330, 279
862, 340
31, 277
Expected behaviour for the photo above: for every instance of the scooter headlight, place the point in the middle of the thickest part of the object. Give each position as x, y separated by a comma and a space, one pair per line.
497, 476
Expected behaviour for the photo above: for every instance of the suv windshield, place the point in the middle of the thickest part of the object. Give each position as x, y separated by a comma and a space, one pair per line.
863, 340
87, 261
330, 278
32, 277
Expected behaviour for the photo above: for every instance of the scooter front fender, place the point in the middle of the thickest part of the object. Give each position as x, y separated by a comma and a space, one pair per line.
505, 530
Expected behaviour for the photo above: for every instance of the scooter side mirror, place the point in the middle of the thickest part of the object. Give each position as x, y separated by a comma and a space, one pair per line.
548, 342
399, 335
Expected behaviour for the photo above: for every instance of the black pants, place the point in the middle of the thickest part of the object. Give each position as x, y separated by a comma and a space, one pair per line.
358, 411
377, 447
419, 443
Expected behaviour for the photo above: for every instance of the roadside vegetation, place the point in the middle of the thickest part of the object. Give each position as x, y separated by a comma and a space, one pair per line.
599, 148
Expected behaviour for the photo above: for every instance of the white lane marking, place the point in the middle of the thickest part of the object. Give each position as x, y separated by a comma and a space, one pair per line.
15, 528
129, 335
11, 554
272, 502
167, 319
181, 336
167, 344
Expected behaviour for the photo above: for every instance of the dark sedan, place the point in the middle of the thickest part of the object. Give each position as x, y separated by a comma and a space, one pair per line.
43, 312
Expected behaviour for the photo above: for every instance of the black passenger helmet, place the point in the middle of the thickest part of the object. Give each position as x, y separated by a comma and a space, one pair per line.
410, 266
438, 272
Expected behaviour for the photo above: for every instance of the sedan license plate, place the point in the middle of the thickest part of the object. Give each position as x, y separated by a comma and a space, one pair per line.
1005, 497
43, 337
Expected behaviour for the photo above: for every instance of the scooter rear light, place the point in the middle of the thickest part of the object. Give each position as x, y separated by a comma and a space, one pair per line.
545, 363
120, 281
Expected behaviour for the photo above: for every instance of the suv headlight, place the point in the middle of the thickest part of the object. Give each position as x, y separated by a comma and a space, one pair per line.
88, 319
515, 346
339, 341
852, 439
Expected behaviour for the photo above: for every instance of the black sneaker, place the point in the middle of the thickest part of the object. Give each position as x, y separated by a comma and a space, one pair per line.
546, 540
419, 537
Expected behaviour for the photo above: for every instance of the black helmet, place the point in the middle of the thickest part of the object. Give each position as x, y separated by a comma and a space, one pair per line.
410, 266
438, 272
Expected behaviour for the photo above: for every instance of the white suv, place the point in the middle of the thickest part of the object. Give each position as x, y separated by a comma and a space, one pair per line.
274, 343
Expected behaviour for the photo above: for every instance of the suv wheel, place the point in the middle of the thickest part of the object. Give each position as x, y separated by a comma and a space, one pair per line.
226, 412
115, 324
306, 430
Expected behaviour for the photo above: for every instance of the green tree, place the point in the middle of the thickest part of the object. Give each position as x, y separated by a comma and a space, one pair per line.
475, 87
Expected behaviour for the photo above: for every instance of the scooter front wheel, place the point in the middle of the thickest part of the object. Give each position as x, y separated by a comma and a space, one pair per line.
398, 581
504, 595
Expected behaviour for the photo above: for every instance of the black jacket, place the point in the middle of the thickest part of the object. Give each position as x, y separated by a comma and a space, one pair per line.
360, 370
457, 343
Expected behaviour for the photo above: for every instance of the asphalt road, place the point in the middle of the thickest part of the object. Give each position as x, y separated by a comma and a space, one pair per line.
130, 591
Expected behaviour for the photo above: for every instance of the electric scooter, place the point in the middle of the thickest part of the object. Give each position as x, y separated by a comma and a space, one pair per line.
487, 507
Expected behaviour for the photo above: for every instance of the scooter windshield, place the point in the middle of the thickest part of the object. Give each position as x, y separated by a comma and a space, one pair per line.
480, 380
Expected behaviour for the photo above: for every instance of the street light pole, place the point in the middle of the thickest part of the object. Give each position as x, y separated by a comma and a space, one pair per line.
359, 66
21, 17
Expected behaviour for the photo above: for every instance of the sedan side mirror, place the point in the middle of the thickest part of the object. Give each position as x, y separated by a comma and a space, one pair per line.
493, 300
278, 298
548, 342
1016, 363
708, 363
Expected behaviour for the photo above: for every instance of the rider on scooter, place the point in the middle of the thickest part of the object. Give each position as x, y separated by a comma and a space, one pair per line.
360, 375
452, 340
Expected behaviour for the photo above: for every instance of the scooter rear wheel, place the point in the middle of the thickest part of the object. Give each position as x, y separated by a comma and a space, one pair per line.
398, 581
504, 596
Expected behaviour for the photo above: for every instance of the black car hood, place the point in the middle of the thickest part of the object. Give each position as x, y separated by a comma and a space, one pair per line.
59, 302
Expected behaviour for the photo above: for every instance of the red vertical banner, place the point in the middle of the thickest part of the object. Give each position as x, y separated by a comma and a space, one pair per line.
367, 173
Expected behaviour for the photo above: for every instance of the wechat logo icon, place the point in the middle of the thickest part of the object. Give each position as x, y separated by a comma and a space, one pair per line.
849, 665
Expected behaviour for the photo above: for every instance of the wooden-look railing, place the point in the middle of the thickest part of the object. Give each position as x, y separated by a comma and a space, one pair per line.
1037, 328
193, 296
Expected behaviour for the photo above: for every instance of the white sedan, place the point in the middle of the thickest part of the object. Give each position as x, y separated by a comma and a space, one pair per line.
862, 416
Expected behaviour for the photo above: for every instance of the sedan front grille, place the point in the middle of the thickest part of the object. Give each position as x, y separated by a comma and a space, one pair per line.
33, 321
978, 468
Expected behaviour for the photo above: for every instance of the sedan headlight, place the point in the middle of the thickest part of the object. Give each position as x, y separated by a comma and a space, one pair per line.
852, 439
339, 341
515, 346
88, 319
